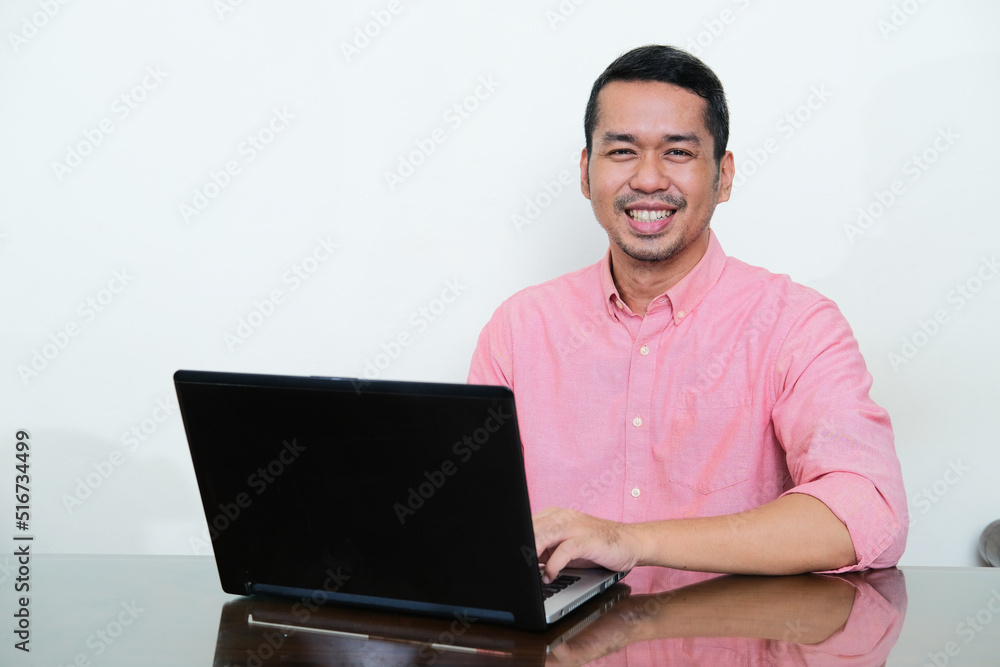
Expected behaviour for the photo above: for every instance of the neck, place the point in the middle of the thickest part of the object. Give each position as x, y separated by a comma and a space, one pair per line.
640, 282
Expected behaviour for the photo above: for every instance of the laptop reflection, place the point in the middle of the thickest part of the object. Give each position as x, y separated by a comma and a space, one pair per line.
258, 630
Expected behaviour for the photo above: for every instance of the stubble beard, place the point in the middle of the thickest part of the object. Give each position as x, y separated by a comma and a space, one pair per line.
648, 248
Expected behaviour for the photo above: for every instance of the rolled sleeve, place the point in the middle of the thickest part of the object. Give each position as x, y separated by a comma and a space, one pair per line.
838, 442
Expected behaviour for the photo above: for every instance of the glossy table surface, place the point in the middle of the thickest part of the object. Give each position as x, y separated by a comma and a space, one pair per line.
116, 610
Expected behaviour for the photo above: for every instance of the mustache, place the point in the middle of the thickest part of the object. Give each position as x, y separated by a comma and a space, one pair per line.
671, 200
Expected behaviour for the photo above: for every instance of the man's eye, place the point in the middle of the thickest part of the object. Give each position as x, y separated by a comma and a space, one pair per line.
620, 151
678, 151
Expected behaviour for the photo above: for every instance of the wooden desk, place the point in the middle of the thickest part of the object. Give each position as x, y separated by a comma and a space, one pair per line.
107, 611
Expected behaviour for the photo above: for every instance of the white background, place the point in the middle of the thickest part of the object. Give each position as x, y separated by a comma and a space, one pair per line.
884, 80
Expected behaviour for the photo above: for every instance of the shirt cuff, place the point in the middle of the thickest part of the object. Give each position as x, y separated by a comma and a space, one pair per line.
878, 535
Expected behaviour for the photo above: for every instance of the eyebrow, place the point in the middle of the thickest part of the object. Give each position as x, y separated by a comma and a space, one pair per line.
624, 137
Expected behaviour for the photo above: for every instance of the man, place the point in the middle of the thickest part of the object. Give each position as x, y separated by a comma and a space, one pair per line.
679, 408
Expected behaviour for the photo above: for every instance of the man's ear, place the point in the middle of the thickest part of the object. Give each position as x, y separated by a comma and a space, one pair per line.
584, 174
727, 172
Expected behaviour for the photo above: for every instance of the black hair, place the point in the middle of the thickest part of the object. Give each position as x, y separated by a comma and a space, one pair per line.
667, 64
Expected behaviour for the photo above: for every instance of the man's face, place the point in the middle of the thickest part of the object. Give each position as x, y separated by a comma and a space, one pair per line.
650, 175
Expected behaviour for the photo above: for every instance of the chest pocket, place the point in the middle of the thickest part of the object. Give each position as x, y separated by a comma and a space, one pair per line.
709, 447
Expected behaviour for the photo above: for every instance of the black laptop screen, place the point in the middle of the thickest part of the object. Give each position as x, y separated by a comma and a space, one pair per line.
374, 489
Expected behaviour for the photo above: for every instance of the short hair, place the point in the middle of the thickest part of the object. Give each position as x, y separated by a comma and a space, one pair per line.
667, 64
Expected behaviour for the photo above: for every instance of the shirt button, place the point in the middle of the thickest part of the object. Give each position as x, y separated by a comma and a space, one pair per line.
644, 350
636, 492
637, 422
681, 314
619, 304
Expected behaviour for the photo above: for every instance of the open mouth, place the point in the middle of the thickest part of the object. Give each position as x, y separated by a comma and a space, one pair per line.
650, 221
646, 215
649, 215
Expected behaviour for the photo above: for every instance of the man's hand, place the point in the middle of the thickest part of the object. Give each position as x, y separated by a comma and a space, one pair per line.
792, 534
567, 538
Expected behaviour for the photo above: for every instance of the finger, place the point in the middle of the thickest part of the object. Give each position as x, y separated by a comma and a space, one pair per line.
545, 555
558, 560
548, 528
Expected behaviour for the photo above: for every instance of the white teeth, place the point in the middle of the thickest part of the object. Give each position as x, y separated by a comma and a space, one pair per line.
643, 215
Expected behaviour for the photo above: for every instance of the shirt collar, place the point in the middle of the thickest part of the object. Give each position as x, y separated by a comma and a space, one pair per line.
692, 288
683, 297
611, 297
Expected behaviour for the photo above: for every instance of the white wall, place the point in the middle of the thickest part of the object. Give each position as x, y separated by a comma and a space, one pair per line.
887, 81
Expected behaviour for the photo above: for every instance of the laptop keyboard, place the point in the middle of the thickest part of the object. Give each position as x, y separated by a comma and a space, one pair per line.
561, 582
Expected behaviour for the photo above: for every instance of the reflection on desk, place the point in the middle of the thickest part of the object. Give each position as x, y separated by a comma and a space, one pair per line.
672, 618
852, 619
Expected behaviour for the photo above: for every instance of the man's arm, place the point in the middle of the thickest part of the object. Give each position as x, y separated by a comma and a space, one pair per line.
792, 534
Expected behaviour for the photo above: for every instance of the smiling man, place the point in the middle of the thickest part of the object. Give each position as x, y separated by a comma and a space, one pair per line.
678, 407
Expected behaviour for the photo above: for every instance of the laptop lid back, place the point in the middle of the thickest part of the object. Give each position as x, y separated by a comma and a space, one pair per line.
397, 494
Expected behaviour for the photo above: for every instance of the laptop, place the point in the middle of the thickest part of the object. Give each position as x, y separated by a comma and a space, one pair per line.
407, 496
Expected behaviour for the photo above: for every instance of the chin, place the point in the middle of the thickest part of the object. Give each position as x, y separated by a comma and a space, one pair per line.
650, 249
652, 259
651, 255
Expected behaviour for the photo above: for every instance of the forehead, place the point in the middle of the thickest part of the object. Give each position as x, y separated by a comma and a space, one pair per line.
649, 108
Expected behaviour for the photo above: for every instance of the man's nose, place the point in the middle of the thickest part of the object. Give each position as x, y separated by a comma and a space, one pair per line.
651, 175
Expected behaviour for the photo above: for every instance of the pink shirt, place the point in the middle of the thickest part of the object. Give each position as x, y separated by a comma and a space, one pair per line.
737, 386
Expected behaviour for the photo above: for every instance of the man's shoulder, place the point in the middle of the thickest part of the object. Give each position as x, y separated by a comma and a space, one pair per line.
765, 287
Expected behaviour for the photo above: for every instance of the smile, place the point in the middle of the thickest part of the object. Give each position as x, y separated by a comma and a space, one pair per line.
645, 215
